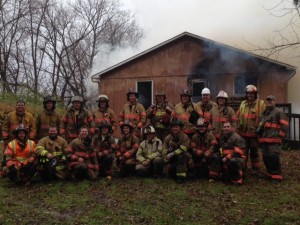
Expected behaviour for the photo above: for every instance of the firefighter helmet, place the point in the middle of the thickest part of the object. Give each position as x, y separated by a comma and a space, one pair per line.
201, 122
77, 99
102, 98
175, 121
20, 127
222, 94
132, 91
185, 92
160, 93
205, 91
149, 130
128, 124
106, 124
251, 89
49, 98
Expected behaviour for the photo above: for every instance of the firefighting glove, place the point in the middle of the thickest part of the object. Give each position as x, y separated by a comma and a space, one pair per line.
146, 163
53, 162
170, 155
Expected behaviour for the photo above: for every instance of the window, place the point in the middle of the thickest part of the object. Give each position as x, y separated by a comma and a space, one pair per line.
241, 81
197, 86
145, 91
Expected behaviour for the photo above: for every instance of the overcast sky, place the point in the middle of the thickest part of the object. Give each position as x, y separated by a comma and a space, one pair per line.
232, 22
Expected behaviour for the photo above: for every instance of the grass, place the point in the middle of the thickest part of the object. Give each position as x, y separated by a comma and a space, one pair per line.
162, 201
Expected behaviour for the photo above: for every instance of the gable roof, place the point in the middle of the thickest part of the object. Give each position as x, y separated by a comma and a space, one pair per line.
97, 75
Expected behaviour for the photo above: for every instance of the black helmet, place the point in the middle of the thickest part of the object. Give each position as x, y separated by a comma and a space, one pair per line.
105, 123
19, 128
175, 121
128, 124
132, 91
49, 98
185, 92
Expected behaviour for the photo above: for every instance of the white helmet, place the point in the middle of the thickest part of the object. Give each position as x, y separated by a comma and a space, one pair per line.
205, 91
102, 97
149, 130
222, 94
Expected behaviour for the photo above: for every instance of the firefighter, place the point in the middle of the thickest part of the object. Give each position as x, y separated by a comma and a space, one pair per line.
272, 130
47, 118
75, 118
20, 157
204, 150
160, 115
221, 114
187, 112
232, 152
104, 113
149, 155
128, 145
51, 152
82, 157
134, 112
15, 118
206, 105
175, 146
249, 114
104, 145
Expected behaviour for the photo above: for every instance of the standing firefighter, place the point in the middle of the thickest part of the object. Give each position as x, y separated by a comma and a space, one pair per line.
272, 131
204, 151
160, 115
174, 148
128, 146
20, 157
51, 152
221, 114
82, 157
134, 112
232, 151
249, 115
149, 155
104, 145
104, 113
14, 119
75, 118
47, 118
187, 112
206, 105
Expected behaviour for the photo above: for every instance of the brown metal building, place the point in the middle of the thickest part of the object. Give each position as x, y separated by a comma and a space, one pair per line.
194, 62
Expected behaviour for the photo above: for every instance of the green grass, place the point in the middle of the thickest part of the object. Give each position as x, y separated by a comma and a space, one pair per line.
151, 201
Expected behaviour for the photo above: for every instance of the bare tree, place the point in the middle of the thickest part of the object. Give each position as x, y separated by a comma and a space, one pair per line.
286, 38
48, 46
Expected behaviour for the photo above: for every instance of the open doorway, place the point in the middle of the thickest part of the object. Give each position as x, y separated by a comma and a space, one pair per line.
145, 90
197, 86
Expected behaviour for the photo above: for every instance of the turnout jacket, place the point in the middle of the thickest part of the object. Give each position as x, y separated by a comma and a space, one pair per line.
128, 146
249, 115
71, 123
206, 110
221, 115
232, 145
77, 149
13, 120
135, 114
178, 144
148, 150
57, 148
18, 156
45, 120
160, 116
275, 126
183, 112
107, 115
205, 142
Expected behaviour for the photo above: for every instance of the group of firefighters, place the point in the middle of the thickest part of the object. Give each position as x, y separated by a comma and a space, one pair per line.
206, 139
